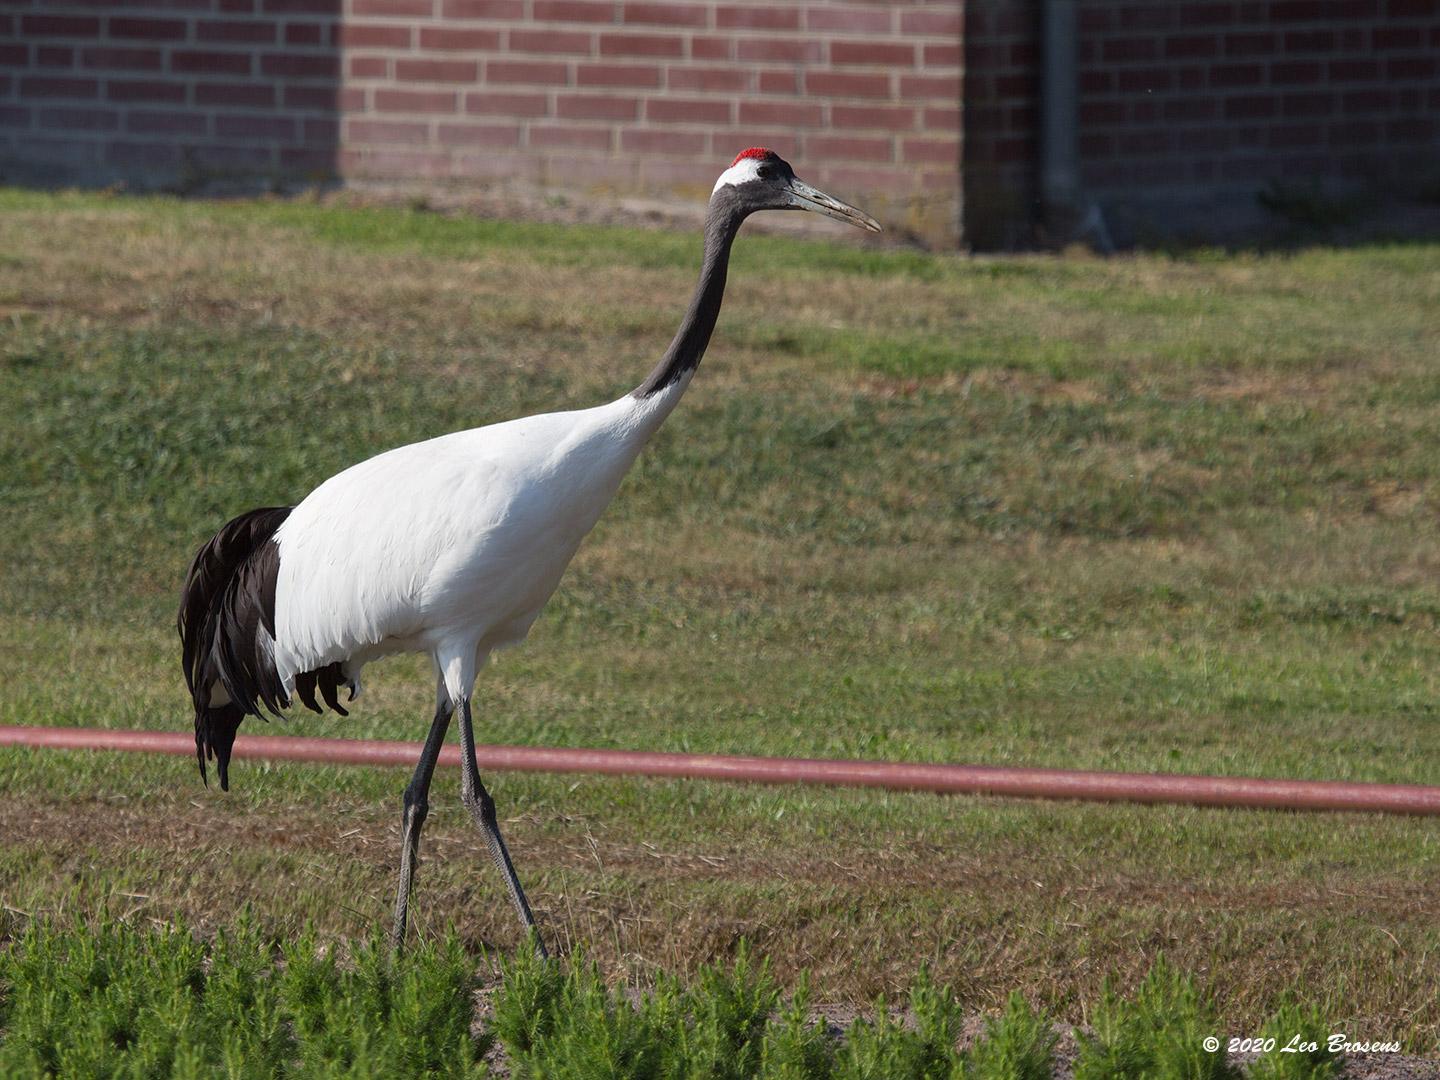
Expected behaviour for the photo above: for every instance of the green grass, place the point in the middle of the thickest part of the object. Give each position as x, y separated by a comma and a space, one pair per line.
1147, 513
109, 999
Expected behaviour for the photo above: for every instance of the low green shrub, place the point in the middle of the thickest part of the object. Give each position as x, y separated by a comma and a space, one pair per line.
114, 1001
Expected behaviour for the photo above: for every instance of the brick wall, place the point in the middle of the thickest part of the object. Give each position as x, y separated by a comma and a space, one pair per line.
862, 96
1200, 104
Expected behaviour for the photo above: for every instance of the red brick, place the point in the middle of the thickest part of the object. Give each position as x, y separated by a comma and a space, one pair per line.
1206, 14
787, 113
596, 107
1370, 100
1191, 45
757, 18
402, 8
552, 41
484, 9
55, 56
1353, 70
350, 35
1096, 146
708, 78
195, 62
780, 50
704, 47
143, 154
321, 130
852, 20
526, 71
121, 59
1095, 113
1228, 75
695, 15
1393, 37
673, 110
369, 67
944, 23
14, 116
1410, 129
148, 29
303, 7
1285, 135
255, 127
1120, 50
1308, 104
150, 122
1289, 10
324, 98
242, 30
489, 103
837, 84
586, 11
1213, 139
1144, 142
1146, 16
61, 26
144, 90
779, 82
1192, 108
37, 86
232, 7
931, 151
387, 131
483, 135
235, 95
1310, 41
646, 141
872, 117
942, 56
1296, 72
1353, 133
617, 75
301, 65
374, 161
556, 137
1412, 9
450, 38
1410, 67
416, 101
78, 119
457, 71
937, 119
641, 45
304, 34
1250, 107
870, 52
929, 86
1250, 43
1145, 80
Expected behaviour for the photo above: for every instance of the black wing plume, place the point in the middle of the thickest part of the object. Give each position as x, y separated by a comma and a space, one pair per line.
229, 596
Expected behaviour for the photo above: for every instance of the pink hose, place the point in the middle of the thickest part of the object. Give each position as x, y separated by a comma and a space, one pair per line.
897, 776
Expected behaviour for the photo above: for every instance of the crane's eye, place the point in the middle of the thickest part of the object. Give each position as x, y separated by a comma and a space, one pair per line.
765, 172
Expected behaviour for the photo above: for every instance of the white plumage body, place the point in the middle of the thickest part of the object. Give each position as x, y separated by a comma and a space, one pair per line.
450, 546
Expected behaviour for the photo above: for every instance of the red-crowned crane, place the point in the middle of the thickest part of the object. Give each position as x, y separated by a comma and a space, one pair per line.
449, 547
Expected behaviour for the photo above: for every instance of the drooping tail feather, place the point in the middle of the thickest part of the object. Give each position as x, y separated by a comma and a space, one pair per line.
227, 633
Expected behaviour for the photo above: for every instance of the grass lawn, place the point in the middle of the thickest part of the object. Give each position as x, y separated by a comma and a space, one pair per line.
1147, 513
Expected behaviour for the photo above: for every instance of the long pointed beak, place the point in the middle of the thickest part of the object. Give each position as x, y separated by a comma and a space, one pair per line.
805, 197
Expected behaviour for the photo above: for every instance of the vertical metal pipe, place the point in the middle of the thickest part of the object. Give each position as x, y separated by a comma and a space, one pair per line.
1059, 154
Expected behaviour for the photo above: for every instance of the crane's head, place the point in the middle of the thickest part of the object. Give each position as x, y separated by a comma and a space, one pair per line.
760, 179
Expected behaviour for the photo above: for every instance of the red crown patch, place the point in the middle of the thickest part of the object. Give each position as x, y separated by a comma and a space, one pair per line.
754, 151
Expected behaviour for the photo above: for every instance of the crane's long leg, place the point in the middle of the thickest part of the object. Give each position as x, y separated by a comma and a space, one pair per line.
417, 806
482, 810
